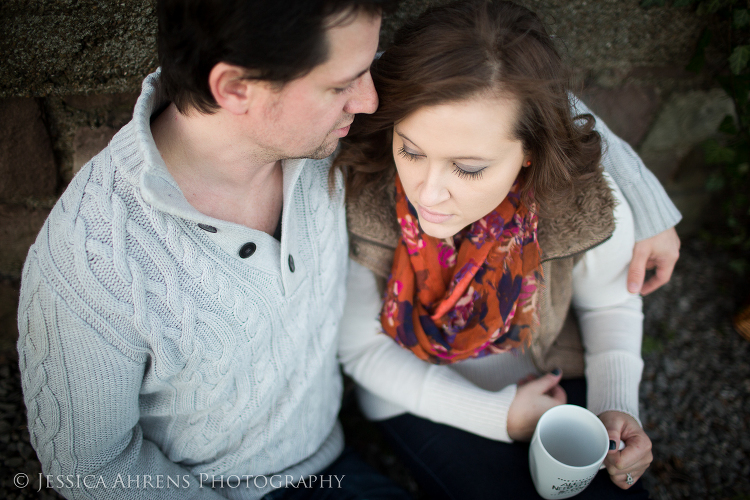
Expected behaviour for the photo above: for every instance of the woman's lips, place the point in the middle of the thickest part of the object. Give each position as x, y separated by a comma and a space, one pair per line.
434, 217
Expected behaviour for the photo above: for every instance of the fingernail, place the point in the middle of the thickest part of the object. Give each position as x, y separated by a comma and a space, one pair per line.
612, 445
633, 288
556, 372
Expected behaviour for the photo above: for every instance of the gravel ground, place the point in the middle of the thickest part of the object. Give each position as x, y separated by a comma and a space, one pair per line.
695, 395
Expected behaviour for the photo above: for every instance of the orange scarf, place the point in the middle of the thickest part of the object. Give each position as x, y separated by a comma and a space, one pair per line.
467, 296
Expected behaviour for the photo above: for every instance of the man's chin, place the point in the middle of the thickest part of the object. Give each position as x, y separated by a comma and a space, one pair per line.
324, 151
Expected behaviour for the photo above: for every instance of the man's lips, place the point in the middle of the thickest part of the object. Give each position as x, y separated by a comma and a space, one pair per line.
341, 132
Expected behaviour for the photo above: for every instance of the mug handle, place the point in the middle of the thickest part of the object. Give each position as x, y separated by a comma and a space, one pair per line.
622, 447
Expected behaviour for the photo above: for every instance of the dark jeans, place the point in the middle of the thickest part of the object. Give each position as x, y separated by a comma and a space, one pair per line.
358, 481
449, 463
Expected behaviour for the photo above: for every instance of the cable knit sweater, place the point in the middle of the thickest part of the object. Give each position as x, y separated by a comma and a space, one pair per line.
652, 209
150, 347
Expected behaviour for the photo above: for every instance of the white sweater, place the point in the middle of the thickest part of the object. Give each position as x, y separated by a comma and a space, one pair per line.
150, 347
475, 395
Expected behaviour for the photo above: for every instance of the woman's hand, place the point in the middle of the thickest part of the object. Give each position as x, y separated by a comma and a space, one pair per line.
533, 398
635, 458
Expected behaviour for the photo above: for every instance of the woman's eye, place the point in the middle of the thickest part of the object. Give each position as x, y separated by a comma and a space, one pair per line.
467, 174
409, 156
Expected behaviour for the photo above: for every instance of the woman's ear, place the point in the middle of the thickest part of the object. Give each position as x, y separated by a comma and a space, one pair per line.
230, 87
526, 161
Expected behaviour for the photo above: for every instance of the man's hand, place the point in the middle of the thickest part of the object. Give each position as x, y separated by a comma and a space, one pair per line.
533, 398
635, 458
660, 252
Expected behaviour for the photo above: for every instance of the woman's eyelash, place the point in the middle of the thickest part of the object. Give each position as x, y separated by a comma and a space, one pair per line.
409, 156
465, 174
461, 173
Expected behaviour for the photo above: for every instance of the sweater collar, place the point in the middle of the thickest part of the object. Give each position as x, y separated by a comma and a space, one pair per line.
157, 186
139, 162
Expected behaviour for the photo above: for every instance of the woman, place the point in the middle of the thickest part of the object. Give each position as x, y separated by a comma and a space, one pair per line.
495, 219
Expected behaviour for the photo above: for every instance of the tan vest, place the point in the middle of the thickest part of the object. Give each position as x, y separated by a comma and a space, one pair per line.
588, 222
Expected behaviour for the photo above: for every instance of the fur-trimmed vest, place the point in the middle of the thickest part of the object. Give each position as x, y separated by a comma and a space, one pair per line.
564, 238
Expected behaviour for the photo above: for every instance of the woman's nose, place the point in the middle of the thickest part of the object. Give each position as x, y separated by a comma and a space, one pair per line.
433, 189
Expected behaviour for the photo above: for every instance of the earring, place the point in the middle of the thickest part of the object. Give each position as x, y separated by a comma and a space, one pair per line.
528, 163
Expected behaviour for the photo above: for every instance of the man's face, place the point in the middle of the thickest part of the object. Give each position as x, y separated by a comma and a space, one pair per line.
308, 116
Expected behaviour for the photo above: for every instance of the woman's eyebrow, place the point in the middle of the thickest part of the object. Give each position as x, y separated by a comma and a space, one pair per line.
404, 137
473, 158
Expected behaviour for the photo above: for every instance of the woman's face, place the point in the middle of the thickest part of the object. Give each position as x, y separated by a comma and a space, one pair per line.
457, 161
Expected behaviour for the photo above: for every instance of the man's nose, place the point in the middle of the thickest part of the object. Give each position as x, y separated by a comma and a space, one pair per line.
364, 99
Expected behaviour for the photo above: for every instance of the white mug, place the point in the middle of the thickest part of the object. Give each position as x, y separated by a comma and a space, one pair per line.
568, 447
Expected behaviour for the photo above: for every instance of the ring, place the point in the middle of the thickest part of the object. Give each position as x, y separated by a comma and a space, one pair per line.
629, 479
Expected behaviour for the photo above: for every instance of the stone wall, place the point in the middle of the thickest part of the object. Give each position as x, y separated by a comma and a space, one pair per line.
72, 69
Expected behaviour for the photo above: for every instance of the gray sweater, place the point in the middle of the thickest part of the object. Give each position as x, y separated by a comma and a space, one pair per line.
149, 347
653, 211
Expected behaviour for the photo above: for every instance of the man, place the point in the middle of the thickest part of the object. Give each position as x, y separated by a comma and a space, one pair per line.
179, 308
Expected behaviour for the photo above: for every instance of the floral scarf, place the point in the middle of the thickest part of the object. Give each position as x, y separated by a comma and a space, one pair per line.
469, 295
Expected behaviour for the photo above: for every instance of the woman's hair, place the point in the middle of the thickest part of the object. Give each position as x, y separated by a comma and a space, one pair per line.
470, 49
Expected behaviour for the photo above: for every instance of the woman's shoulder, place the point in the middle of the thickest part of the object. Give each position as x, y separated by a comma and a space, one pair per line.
585, 221
372, 212
372, 225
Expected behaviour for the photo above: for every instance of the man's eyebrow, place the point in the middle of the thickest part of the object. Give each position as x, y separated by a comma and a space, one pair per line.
350, 80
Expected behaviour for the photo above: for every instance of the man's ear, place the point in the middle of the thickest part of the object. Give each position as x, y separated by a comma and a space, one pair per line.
231, 90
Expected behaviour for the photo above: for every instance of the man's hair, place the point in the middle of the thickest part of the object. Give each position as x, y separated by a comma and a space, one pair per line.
274, 40
470, 49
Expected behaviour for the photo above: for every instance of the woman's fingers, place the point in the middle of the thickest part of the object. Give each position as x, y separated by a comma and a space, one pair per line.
636, 454
557, 393
532, 399
640, 465
627, 480
635, 458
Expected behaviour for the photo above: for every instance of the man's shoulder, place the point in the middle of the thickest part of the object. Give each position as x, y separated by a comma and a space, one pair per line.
97, 202
90, 196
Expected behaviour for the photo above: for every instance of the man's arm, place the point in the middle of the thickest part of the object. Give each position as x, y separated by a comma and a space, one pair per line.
653, 211
82, 397
657, 245
659, 252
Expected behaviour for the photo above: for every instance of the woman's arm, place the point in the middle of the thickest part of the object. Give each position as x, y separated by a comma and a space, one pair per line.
610, 319
382, 367
611, 324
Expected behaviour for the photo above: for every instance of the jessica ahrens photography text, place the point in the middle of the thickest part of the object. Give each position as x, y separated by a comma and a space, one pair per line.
159, 481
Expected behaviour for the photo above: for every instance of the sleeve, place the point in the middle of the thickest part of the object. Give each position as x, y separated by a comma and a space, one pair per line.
385, 369
82, 396
611, 319
652, 209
